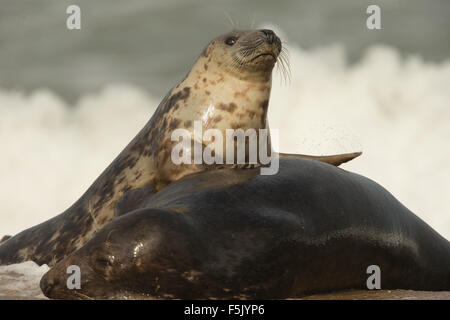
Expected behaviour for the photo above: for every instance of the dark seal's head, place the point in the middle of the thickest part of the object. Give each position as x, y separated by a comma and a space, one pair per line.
135, 256
245, 53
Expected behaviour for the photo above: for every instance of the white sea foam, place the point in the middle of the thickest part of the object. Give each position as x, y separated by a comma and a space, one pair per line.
19, 281
395, 109
51, 152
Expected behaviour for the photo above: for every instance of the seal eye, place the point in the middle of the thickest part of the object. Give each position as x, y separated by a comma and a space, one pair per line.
104, 262
230, 41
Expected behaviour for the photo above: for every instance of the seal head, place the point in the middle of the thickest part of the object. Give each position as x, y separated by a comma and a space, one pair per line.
245, 54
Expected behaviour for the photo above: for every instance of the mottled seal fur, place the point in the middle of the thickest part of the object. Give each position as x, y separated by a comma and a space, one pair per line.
230, 233
228, 87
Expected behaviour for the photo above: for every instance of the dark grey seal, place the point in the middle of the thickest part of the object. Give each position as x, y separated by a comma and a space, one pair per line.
233, 233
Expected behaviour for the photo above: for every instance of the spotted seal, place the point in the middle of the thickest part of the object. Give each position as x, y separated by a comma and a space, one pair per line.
227, 87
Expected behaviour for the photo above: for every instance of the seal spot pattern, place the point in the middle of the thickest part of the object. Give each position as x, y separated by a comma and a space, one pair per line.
229, 108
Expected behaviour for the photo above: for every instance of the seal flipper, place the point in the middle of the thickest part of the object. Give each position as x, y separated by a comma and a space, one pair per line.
335, 160
132, 199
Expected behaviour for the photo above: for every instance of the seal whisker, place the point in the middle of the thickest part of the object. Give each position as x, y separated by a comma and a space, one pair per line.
252, 25
230, 20
82, 295
283, 65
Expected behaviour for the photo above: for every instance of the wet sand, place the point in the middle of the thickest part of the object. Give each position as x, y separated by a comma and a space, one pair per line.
342, 295
381, 295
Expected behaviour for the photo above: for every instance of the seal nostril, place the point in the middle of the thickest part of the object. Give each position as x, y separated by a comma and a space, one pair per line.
267, 32
270, 35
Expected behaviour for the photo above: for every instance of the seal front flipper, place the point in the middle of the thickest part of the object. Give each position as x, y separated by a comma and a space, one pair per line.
132, 200
335, 160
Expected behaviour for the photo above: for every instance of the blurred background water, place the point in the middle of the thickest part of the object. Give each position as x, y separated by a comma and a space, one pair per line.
71, 100
153, 43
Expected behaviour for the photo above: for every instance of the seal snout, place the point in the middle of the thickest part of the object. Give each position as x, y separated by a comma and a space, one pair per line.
47, 284
271, 39
270, 35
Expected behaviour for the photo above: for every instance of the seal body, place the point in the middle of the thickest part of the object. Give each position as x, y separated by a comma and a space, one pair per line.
227, 88
233, 233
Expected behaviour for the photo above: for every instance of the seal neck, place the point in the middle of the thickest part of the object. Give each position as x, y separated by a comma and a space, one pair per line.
204, 67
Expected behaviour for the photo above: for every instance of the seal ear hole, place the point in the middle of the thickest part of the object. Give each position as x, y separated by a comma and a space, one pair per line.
230, 40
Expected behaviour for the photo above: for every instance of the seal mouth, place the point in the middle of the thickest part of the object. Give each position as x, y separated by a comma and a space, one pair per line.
265, 54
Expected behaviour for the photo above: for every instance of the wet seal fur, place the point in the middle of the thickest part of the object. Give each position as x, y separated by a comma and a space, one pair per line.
228, 87
230, 233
